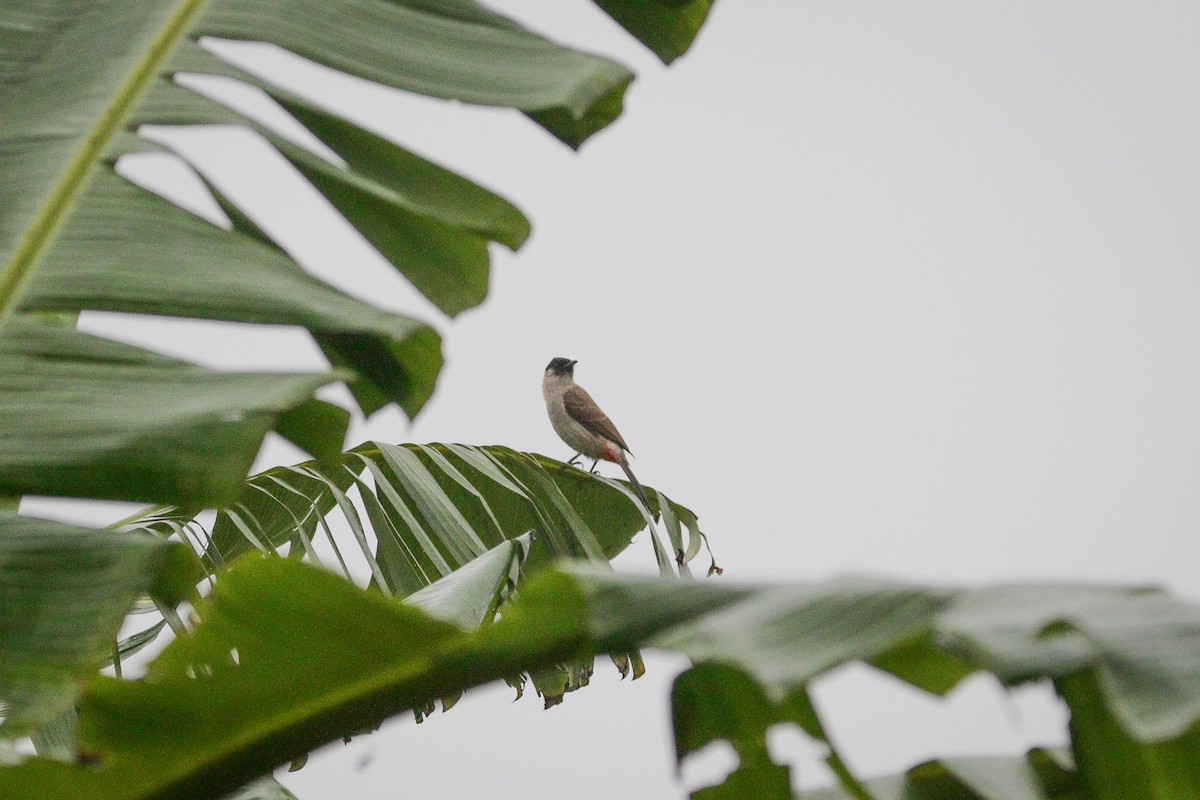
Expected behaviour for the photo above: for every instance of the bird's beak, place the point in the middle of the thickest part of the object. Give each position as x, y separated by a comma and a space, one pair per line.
572, 363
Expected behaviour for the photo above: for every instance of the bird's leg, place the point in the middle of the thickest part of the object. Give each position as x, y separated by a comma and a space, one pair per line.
574, 458
595, 461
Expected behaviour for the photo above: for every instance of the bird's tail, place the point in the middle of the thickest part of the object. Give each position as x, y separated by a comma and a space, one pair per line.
637, 487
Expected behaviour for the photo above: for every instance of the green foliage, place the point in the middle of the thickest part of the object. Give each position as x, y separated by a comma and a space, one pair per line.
283, 656
65, 592
91, 418
213, 710
714, 702
1113, 760
431, 509
1041, 775
1123, 660
667, 27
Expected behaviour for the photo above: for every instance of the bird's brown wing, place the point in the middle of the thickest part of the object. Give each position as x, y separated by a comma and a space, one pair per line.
583, 409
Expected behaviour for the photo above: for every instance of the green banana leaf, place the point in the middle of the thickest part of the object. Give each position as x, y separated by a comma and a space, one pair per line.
430, 509
88, 417
66, 591
220, 675
212, 711
1041, 775
1125, 660
426, 511
667, 27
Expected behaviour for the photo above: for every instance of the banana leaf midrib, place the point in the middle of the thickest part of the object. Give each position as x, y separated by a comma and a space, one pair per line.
57, 205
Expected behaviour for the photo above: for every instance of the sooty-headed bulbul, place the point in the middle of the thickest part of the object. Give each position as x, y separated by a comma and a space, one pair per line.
580, 422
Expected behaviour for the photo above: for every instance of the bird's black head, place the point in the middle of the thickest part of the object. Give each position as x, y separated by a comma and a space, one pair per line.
560, 366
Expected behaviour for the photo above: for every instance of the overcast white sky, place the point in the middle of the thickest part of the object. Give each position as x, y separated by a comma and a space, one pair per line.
907, 289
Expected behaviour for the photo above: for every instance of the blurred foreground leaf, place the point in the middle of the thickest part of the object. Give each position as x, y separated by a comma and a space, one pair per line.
213, 710
64, 592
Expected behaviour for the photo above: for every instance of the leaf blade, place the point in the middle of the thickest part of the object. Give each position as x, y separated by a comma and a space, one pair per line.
66, 592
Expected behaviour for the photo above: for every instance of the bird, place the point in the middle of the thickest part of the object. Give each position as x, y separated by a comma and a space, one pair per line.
580, 423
